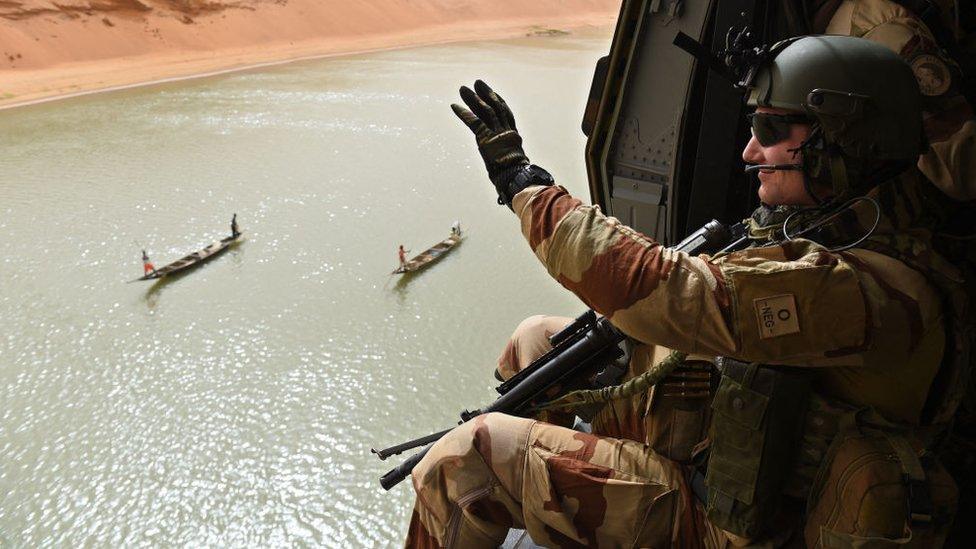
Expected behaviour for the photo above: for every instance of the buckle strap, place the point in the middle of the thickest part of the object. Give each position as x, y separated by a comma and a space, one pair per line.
920, 507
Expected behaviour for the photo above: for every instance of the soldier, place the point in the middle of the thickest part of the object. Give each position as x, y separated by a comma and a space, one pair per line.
841, 285
948, 163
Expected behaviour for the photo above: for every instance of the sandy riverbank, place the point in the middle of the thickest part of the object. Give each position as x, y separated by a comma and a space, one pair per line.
53, 49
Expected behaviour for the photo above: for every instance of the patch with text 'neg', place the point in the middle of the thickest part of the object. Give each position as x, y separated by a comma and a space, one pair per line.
777, 315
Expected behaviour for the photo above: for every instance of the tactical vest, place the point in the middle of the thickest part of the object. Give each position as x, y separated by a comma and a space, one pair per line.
773, 437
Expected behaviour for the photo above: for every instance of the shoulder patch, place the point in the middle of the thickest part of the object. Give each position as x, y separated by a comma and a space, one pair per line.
932, 74
776, 315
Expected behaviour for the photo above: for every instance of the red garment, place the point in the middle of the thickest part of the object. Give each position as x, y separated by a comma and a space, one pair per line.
148, 267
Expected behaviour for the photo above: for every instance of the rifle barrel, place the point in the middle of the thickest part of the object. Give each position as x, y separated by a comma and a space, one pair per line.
581, 354
400, 448
397, 474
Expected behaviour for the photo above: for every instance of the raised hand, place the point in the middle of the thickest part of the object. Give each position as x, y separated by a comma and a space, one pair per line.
499, 142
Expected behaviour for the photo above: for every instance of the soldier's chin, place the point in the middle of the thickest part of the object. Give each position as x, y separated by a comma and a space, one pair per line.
767, 193
766, 178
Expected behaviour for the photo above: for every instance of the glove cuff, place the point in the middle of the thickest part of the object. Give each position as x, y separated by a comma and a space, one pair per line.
519, 178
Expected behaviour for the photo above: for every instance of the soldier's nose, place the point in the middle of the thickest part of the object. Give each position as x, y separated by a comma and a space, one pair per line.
753, 153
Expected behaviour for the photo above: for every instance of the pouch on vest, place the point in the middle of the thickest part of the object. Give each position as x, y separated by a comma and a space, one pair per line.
757, 417
875, 491
679, 410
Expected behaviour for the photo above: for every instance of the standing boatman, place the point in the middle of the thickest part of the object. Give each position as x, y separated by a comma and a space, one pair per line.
233, 226
402, 255
147, 266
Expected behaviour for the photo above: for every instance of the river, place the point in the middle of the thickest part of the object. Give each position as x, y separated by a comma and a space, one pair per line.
236, 405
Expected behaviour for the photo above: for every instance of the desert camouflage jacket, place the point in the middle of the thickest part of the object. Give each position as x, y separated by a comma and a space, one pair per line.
872, 325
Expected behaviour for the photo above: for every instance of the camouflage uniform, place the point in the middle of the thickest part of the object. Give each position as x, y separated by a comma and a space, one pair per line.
845, 314
867, 322
567, 489
950, 164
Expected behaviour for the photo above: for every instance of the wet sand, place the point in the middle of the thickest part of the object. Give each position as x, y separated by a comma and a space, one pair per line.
56, 50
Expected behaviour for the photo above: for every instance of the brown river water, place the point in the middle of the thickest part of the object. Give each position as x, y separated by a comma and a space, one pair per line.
236, 405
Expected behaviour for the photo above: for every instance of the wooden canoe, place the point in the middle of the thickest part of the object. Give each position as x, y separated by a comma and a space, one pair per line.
429, 255
191, 260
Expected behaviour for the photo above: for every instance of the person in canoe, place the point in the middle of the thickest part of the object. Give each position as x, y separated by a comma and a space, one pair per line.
402, 255
456, 228
233, 226
147, 266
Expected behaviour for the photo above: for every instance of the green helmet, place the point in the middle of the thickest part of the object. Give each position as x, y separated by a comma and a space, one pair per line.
862, 95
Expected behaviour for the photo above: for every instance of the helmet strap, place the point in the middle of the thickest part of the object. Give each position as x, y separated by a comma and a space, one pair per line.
820, 165
840, 182
826, 167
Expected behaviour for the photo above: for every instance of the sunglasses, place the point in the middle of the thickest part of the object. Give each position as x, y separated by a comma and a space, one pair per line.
771, 129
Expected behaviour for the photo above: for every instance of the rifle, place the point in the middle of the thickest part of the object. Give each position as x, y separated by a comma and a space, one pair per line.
585, 354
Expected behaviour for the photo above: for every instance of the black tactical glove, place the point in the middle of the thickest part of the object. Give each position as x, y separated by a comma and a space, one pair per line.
498, 141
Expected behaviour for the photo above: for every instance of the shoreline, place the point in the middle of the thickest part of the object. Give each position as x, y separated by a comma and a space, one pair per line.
65, 80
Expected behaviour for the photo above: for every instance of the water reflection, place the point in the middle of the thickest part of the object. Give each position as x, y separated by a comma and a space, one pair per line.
235, 404
233, 253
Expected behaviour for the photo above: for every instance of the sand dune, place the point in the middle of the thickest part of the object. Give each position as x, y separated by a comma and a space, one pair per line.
64, 47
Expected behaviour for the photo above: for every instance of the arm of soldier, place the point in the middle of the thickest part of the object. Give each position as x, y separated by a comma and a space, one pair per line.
950, 163
792, 305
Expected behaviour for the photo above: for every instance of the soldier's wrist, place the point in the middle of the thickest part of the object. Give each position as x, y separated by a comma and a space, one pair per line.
518, 179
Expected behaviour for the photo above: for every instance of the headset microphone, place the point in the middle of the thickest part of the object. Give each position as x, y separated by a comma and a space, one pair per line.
772, 167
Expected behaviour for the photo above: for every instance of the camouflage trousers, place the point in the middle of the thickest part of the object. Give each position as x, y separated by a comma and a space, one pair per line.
565, 488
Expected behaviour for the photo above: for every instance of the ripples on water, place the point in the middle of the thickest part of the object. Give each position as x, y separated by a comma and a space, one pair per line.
236, 405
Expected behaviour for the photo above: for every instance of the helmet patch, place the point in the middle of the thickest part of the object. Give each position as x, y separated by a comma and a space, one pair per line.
932, 74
